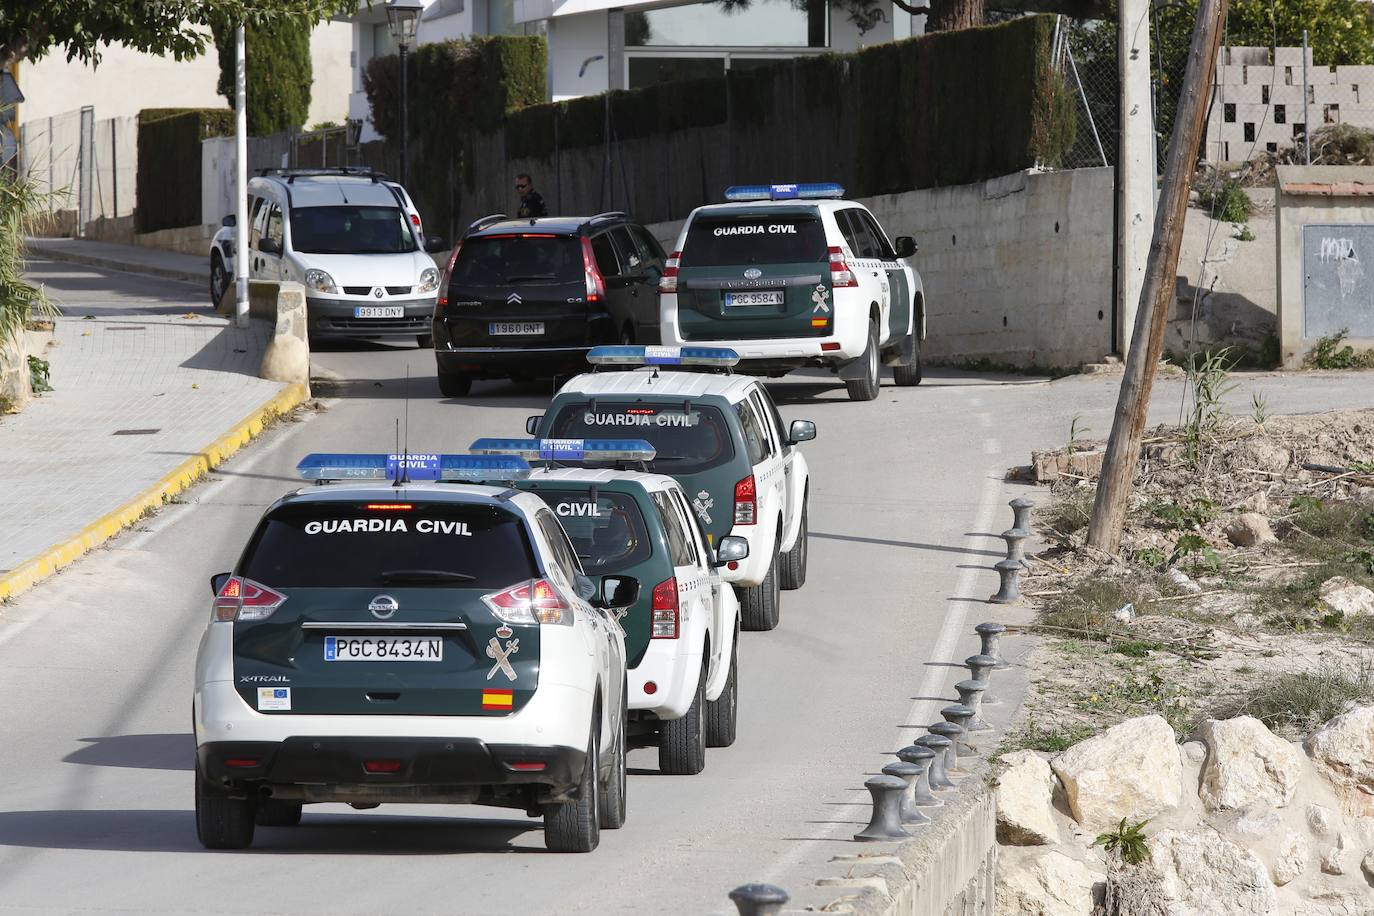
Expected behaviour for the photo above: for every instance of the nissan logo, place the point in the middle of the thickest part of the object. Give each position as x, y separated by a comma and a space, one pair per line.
377, 292
383, 607
753, 273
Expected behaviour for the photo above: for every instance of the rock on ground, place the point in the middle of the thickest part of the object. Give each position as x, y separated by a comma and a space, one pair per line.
1250, 529
1246, 763
1349, 598
1335, 859
1025, 801
1201, 873
1051, 884
1132, 770
1343, 751
1291, 860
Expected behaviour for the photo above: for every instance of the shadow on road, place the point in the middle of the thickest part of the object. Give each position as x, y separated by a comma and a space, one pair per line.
914, 545
145, 752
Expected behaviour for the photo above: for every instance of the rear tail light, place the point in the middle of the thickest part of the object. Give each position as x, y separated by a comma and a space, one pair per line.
527, 766
443, 278
841, 276
382, 766
668, 282
244, 599
241, 763
596, 284
745, 501
535, 601
664, 620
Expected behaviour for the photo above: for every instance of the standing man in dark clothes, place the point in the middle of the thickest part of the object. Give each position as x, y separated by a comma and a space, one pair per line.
531, 202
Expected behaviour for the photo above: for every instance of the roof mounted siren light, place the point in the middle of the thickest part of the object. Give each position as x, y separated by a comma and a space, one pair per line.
570, 451
631, 355
815, 190
326, 467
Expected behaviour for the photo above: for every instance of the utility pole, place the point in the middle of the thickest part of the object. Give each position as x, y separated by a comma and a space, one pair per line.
240, 181
1135, 153
1123, 447
1306, 122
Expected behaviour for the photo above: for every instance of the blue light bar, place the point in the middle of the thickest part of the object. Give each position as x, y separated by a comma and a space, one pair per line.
815, 190
325, 466
586, 451
628, 355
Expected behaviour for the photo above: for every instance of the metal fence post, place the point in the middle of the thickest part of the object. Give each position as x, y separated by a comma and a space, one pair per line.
86, 166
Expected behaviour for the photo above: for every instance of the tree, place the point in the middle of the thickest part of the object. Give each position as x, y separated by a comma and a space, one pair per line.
278, 73
29, 29
1340, 32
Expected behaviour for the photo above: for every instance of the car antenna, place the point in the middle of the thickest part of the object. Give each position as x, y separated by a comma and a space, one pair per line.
404, 476
396, 482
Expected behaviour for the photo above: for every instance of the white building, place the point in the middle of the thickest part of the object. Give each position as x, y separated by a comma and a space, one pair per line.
595, 45
1259, 101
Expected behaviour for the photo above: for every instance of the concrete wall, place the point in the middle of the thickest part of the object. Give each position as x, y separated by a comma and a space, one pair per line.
573, 39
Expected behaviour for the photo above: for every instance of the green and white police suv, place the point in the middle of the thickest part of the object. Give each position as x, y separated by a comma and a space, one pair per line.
794, 275
420, 641
721, 437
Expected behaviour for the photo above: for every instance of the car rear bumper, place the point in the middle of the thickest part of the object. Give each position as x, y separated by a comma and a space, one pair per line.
505, 361
847, 343
335, 317
674, 673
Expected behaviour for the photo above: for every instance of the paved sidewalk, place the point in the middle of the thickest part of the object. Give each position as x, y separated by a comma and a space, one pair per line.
151, 389
130, 258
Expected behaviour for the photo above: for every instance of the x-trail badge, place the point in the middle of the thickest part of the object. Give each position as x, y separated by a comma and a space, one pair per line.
383, 607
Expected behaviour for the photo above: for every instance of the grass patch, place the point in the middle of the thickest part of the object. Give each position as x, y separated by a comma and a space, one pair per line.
1294, 705
1070, 513
1050, 740
1086, 609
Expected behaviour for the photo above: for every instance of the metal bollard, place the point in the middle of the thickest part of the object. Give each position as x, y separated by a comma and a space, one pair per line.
958, 714
907, 773
886, 823
956, 737
1010, 571
971, 695
939, 773
981, 667
1021, 508
759, 899
991, 635
922, 757
1016, 544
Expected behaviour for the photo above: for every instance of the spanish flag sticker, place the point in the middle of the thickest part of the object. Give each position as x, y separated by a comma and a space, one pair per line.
497, 699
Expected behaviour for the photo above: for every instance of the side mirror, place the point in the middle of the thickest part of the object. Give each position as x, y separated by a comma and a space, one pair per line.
905, 245
230, 220
217, 582
532, 424
617, 592
731, 549
801, 431
435, 244
269, 246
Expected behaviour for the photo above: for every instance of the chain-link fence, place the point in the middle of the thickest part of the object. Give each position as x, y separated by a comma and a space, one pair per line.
88, 167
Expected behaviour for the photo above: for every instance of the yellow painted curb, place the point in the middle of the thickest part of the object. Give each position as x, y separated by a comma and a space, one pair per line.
188, 472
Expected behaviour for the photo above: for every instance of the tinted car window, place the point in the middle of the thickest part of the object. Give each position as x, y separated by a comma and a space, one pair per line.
855, 231
630, 255
688, 441
604, 252
721, 241
350, 230
563, 555
679, 545
885, 247
608, 532
653, 251
342, 546
273, 230
753, 434
499, 260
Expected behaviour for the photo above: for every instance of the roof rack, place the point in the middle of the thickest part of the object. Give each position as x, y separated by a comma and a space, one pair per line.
358, 171
480, 224
608, 215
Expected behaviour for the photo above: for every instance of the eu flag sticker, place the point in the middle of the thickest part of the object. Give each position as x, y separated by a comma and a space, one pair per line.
274, 699
331, 648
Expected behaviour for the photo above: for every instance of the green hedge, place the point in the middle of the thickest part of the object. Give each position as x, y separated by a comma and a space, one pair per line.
168, 192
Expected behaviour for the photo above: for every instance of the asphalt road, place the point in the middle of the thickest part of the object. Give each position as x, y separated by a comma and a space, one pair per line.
907, 495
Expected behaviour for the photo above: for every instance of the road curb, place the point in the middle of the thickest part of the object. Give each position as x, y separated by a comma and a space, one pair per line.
31, 572
62, 253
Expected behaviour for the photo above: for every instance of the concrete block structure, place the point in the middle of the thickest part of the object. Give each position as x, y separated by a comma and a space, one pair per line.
1259, 101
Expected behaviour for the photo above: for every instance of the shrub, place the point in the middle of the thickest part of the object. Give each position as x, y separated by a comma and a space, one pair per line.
1328, 353
168, 190
1297, 704
278, 73
1227, 201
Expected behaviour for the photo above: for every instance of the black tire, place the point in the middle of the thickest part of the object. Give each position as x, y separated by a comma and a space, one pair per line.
682, 742
454, 384
760, 606
722, 713
613, 796
222, 822
910, 376
219, 280
426, 341
575, 826
275, 813
866, 388
794, 561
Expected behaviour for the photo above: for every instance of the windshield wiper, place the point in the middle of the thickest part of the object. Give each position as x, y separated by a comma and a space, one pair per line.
425, 575
531, 277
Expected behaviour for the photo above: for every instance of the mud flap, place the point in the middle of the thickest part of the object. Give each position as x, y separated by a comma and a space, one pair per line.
855, 369
903, 355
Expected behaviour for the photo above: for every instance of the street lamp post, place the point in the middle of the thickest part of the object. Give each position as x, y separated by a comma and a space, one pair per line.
402, 16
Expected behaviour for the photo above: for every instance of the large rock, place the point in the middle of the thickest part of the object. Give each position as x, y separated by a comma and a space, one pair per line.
1292, 857
1132, 770
1343, 751
1246, 764
1051, 884
1025, 801
1336, 859
1349, 598
1250, 529
1201, 873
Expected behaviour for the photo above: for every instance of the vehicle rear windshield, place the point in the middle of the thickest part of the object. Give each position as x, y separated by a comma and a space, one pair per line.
350, 230
688, 437
352, 546
735, 239
607, 532
500, 260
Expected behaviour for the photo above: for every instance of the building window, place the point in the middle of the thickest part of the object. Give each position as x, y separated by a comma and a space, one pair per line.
648, 71
761, 24
1249, 131
1280, 114
1288, 76
1264, 94
1226, 151
1299, 129
1331, 114
1272, 147
1229, 112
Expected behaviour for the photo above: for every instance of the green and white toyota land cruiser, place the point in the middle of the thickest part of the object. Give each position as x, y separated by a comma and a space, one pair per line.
794, 275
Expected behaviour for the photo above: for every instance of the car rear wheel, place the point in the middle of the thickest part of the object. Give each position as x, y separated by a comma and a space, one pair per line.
760, 605
575, 826
722, 713
794, 561
222, 822
866, 388
275, 813
907, 376
426, 341
613, 796
219, 280
454, 384
682, 742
